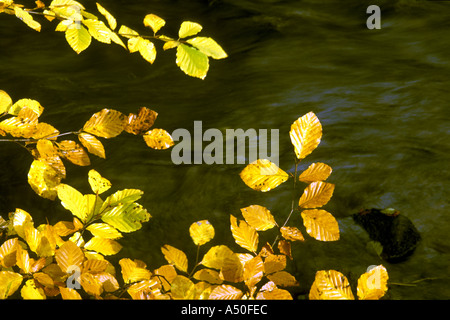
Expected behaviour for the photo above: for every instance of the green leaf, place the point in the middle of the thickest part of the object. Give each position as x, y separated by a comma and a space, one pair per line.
189, 28
192, 62
208, 46
78, 37
127, 217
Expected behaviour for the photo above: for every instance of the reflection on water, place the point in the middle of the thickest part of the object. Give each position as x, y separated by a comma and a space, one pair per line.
381, 95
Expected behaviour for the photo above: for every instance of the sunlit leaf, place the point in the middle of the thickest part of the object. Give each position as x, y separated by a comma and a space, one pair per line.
43, 179
144, 290
69, 294
263, 175
98, 30
68, 256
73, 152
208, 46
65, 228
192, 61
316, 194
78, 37
142, 122
72, 200
208, 275
66, 3
145, 47
31, 292
320, 225
49, 154
106, 123
45, 130
372, 285
9, 283
285, 248
91, 284
305, 133
176, 257
24, 125
158, 139
109, 17
116, 39
283, 279
108, 281
316, 172
8, 252
330, 285
253, 271
258, 217
292, 234
244, 234
273, 294
201, 232
27, 18
94, 266
226, 292
20, 221
232, 268
154, 22
104, 246
98, 183
164, 275
170, 44
133, 271
274, 263
5, 102
92, 144
189, 28
123, 197
216, 256
104, 230
31, 104
126, 217
127, 32
182, 288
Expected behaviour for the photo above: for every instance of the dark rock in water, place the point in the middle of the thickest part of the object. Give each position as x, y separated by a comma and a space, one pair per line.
395, 232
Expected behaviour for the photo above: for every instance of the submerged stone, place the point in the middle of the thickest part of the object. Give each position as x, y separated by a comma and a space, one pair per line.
395, 232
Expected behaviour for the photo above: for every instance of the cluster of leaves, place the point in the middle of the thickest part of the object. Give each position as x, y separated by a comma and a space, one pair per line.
41, 139
53, 260
81, 26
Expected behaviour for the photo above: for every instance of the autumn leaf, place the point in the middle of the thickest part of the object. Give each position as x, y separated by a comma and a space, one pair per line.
292, 234
104, 230
320, 225
104, 246
372, 285
158, 139
285, 248
73, 152
134, 271
5, 102
253, 271
78, 37
72, 200
189, 28
258, 217
201, 232
43, 179
316, 172
97, 182
127, 217
263, 175
106, 123
274, 263
109, 17
226, 292
208, 275
283, 279
8, 252
244, 234
216, 256
316, 194
176, 257
68, 256
69, 294
154, 22
49, 154
32, 292
208, 46
305, 133
330, 285
92, 144
140, 123
9, 283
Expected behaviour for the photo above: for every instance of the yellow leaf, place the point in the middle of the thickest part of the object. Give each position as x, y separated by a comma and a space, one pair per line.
127, 32
275, 294
44, 130
208, 275
116, 39
154, 22
24, 125
372, 285
78, 37
133, 271
285, 248
66, 3
92, 144
232, 268
97, 182
27, 18
31, 292
263, 175
9, 283
316, 194
106, 247
253, 271
106, 123
292, 234
49, 154
316, 172
69, 294
170, 44
31, 104
95, 266
144, 290
176, 257
258, 217
189, 28
98, 30
216, 256
104, 230
158, 139
283, 279
274, 263
5, 102
72, 200
73, 152
320, 225
147, 50
165, 275
8, 252
43, 179
305, 134
330, 285
244, 234
192, 61
182, 288
68, 256
91, 284
201, 232
109, 17
226, 292
64, 228
208, 46
21, 220
142, 122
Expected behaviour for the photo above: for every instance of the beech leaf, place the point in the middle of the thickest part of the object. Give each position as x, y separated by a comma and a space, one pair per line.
330, 285
258, 217
316, 194
320, 225
176, 257
305, 134
244, 234
263, 175
201, 232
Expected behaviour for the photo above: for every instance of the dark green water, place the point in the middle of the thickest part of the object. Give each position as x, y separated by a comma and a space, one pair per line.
382, 97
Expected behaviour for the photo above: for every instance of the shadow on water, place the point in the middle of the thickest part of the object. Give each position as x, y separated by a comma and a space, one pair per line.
381, 96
